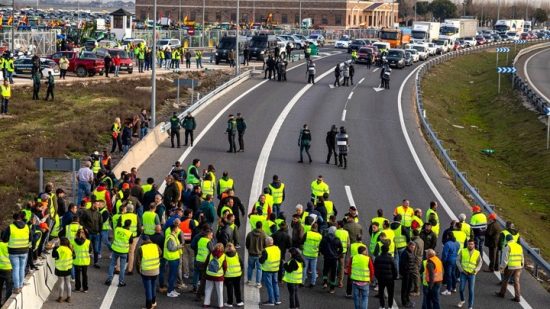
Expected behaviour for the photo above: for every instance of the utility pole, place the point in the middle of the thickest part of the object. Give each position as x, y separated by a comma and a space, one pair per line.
203, 22
527, 10
12, 27
238, 60
300, 21
498, 10
154, 71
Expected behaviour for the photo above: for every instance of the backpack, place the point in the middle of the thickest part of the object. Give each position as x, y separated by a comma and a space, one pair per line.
214, 265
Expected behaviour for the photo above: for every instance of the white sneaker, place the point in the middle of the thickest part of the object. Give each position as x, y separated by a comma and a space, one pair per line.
250, 283
259, 285
460, 304
228, 305
173, 294
446, 292
240, 304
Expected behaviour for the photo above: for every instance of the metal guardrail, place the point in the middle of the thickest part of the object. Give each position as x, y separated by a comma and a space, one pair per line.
207, 97
450, 165
523, 86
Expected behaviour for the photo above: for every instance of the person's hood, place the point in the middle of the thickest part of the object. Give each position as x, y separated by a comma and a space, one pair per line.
231, 253
19, 224
513, 231
101, 188
395, 225
276, 184
257, 232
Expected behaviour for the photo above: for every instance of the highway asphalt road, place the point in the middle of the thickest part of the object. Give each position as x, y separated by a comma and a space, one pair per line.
382, 170
535, 68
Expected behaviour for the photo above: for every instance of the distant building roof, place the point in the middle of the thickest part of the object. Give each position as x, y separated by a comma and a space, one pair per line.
373, 7
121, 12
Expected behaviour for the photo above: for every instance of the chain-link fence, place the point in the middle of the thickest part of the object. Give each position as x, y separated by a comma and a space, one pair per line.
41, 43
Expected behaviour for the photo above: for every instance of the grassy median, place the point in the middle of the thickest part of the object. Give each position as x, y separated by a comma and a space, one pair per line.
73, 126
469, 115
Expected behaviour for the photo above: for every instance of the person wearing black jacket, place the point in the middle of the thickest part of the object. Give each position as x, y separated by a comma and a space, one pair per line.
292, 266
241, 128
351, 73
304, 142
407, 265
281, 239
331, 248
386, 273
237, 208
331, 143
224, 234
337, 75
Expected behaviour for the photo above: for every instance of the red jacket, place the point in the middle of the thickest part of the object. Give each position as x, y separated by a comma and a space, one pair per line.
116, 61
107, 197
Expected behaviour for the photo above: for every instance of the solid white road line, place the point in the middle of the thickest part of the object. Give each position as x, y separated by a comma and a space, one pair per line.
362, 79
528, 77
350, 95
252, 294
343, 115
375, 70
427, 178
110, 295
350, 196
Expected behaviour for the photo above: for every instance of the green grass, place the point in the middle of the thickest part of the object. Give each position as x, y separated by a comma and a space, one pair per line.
516, 178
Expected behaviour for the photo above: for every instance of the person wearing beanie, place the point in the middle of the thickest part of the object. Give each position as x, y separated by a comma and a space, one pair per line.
331, 248
386, 273
491, 241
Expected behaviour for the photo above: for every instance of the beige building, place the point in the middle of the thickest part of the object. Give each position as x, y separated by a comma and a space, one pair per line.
324, 13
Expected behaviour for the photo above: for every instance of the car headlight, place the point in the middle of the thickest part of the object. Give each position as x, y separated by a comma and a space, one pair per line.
262, 52
131, 65
216, 53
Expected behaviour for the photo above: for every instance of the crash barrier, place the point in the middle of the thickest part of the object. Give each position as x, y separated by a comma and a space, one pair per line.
448, 163
39, 285
533, 96
33, 42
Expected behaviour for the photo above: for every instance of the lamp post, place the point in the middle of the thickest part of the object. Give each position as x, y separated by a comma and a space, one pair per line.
300, 14
238, 60
12, 26
498, 9
154, 70
203, 22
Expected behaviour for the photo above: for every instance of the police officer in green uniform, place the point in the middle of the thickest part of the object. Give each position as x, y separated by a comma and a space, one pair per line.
175, 129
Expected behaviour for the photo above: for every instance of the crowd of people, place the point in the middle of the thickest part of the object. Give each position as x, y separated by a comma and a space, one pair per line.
181, 239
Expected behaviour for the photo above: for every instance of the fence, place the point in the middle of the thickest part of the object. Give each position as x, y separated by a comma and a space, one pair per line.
450, 165
523, 86
36, 42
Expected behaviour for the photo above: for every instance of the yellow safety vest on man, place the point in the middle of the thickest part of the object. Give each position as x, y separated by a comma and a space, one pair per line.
99, 195
72, 230
255, 218
191, 179
56, 226
273, 261
311, 244
390, 236
379, 220
224, 184
478, 221
354, 248
277, 193
233, 266
296, 276
515, 256
318, 189
207, 187
121, 242
435, 228
6, 91
107, 224
65, 260
360, 268
171, 255
202, 249
149, 218
134, 219
461, 237
466, 229
469, 261
8, 65
506, 233
5, 263
150, 258
400, 239
329, 205
146, 188
406, 215
419, 221
343, 235
82, 253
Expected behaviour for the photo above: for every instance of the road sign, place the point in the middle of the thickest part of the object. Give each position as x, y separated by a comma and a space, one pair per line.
521, 41
57, 164
506, 70
503, 49
188, 83
547, 111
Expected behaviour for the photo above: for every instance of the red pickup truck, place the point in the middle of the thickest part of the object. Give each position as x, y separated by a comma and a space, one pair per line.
82, 63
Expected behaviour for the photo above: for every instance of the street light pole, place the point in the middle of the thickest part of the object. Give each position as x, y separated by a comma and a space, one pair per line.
203, 22
527, 10
253, 12
415, 4
238, 60
498, 10
300, 21
154, 69
12, 27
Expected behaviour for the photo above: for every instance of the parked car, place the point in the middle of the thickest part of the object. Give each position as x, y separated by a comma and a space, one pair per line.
408, 59
172, 43
496, 38
298, 41
356, 44
343, 42
396, 58
290, 39
23, 67
126, 63
317, 39
457, 45
524, 36
83, 63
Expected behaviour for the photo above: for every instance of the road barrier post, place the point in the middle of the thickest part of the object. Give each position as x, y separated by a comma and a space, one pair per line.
499, 83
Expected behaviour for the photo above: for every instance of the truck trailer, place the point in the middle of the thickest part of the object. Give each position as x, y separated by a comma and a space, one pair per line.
454, 29
424, 31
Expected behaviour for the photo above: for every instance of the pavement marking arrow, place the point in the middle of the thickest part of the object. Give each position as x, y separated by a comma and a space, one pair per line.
378, 89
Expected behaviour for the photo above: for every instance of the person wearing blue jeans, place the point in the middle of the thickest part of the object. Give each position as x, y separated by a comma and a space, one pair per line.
271, 261
96, 245
360, 296
150, 292
469, 263
362, 271
18, 262
105, 239
272, 286
84, 189
311, 264
172, 274
120, 248
254, 262
448, 256
114, 257
18, 237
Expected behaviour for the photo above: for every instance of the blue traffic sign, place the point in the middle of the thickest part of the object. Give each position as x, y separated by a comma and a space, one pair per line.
547, 111
506, 70
521, 41
502, 49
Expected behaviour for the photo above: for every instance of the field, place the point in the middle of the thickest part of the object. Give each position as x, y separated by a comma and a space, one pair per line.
73, 126
469, 115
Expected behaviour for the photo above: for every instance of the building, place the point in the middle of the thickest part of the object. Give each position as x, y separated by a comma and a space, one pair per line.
324, 13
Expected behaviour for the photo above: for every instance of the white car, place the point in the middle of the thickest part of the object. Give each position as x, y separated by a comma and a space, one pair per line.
316, 39
414, 54
432, 49
288, 39
470, 41
421, 49
298, 41
172, 43
281, 42
23, 67
343, 42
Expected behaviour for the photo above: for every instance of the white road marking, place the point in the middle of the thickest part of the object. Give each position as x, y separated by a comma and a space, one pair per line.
343, 115
362, 79
350, 196
373, 71
350, 95
529, 79
427, 178
110, 295
377, 89
252, 295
